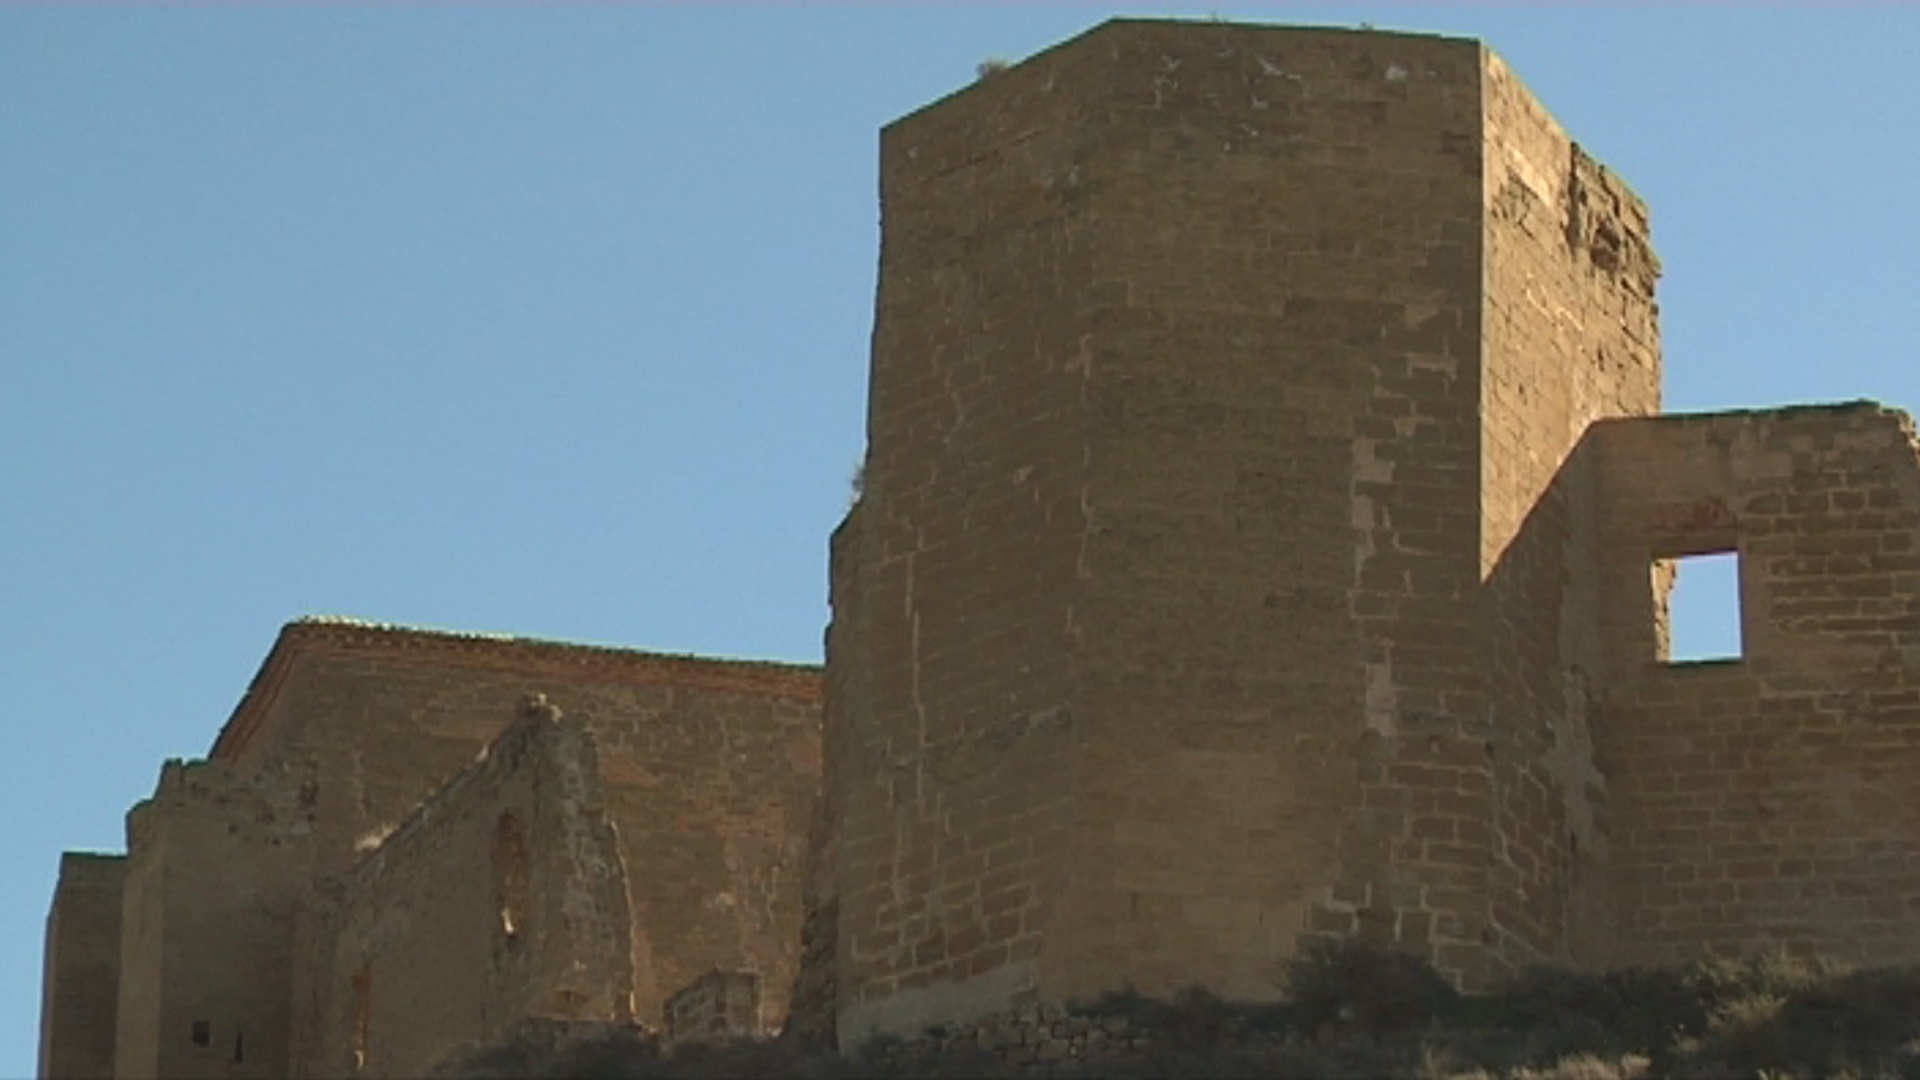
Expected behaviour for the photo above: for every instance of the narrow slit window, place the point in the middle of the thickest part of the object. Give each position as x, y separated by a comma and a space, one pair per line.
362, 1015
1698, 601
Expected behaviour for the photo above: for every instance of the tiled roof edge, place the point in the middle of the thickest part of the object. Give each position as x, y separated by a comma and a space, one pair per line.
335, 634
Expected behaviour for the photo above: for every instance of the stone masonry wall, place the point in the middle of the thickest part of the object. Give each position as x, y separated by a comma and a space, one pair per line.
952, 634
503, 897
1267, 533
813, 1013
1162, 649
1766, 801
80, 986
718, 1006
1570, 337
1282, 512
214, 880
712, 790
711, 769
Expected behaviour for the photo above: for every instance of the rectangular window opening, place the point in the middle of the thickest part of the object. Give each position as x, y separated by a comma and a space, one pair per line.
1697, 604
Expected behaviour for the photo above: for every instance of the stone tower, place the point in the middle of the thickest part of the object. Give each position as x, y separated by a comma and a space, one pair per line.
1267, 535
1216, 368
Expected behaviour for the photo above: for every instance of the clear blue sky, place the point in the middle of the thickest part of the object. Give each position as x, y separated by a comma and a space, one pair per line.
553, 320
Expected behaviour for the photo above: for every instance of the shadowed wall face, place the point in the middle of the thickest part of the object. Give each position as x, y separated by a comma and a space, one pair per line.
1570, 337
712, 790
215, 877
81, 988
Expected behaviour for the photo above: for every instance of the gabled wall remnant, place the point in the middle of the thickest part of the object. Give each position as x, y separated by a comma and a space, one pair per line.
502, 897
369, 824
709, 769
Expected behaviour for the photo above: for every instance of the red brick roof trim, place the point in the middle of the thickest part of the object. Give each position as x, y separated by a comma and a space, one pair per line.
535, 657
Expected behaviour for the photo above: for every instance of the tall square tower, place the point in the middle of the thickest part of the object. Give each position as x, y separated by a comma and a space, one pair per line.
1215, 368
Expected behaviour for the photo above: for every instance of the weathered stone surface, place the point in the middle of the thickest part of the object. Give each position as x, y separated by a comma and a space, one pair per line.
215, 878
334, 886
503, 897
716, 1007
1764, 802
81, 974
709, 771
1266, 535
1260, 540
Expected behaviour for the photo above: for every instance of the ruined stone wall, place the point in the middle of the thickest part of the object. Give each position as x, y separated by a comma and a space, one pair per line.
710, 770
1766, 801
502, 897
1570, 337
215, 873
80, 977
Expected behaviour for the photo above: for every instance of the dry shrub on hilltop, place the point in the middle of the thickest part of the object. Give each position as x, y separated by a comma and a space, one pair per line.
1359, 1013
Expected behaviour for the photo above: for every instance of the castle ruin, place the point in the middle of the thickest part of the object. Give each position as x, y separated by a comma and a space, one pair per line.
1267, 531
